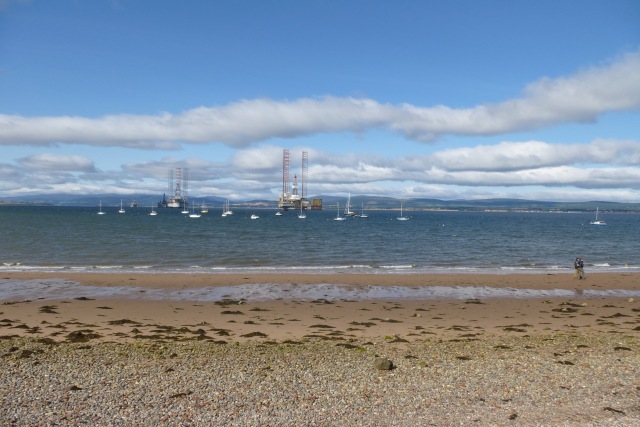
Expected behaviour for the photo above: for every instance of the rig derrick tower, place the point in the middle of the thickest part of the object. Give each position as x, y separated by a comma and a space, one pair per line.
178, 189
294, 196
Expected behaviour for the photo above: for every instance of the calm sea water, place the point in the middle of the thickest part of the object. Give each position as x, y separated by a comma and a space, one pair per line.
77, 238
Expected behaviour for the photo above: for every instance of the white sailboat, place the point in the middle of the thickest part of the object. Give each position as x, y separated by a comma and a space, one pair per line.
302, 215
254, 216
100, 212
225, 210
121, 208
347, 208
153, 212
193, 214
339, 218
185, 209
203, 208
362, 214
597, 221
402, 217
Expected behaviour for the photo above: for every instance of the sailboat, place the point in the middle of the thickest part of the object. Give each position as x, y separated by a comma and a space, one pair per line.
225, 209
362, 214
347, 208
185, 209
153, 211
204, 209
254, 216
597, 221
401, 217
100, 212
193, 214
121, 208
302, 215
339, 218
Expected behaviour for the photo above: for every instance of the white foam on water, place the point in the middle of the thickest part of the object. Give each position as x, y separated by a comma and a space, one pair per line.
48, 289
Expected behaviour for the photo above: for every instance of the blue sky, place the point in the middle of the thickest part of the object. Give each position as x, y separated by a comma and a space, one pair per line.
447, 99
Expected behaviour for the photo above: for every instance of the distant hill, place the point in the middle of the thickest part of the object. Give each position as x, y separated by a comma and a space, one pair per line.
483, 204
370, 202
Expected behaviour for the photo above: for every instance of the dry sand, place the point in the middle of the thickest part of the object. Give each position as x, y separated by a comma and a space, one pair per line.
108, 319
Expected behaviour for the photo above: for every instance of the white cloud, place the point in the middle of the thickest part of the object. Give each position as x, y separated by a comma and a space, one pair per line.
47, 161
512, 156
601, 164
579, 98
549, 176
264, 157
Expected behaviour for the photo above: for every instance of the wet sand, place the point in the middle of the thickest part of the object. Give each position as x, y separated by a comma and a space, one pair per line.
232, 320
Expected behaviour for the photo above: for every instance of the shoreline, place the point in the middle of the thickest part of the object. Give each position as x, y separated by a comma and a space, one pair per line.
561, 280
335, 306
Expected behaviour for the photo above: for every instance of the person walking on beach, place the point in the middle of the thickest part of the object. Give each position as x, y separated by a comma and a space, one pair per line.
579, 269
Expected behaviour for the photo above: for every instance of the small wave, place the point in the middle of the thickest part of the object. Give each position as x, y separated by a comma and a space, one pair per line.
60, 288
319, 269
20, 267
398, 267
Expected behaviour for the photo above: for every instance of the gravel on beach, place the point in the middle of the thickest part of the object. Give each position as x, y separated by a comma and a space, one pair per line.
560, 380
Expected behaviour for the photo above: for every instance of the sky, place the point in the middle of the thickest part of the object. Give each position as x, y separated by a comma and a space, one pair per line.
459, 99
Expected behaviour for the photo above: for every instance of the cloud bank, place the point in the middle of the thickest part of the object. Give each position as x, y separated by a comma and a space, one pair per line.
600, 170
582, 97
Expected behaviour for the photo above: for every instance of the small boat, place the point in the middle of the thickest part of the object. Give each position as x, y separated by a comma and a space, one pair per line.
121, 208
153, 212
302, 215
100, 211
362, 214
203, 208
226, 211
254, 216
185, 210
402, 217
134, 204
347, 208
193, 214
339, 218
278, 213
597, 221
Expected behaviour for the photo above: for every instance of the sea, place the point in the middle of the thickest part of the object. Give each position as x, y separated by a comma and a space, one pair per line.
55, 238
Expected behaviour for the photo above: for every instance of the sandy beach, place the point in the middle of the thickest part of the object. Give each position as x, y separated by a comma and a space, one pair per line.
547, 360
284, 318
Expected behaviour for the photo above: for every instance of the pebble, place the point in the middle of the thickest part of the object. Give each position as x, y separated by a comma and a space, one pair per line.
493, 381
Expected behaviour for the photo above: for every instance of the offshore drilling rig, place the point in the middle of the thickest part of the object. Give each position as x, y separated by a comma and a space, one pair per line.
294, 197
180, 196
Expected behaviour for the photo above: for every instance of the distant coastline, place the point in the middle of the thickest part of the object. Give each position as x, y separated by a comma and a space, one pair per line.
331, 201
10, 203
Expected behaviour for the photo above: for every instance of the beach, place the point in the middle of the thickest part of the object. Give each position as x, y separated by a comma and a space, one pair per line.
553, 351
281, 317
